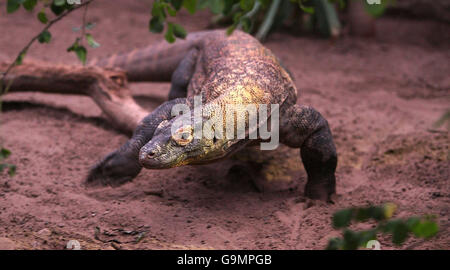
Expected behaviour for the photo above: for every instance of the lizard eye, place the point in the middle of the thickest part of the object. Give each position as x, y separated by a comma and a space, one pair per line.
183, 135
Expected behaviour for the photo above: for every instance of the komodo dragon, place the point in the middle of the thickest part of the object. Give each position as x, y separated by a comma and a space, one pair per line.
216, 66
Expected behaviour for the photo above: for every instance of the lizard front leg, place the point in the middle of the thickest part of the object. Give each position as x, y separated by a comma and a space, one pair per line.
305, 128
123, 164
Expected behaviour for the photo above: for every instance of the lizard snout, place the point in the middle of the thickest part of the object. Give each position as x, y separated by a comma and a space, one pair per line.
146, 158
153, 157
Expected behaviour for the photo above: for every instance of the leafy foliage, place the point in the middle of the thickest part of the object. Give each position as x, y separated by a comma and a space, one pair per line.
4, 154
244, 14
400, 229
91, 42
45, 37
79, 49
258, 17
327, 19
161, 9
57, 8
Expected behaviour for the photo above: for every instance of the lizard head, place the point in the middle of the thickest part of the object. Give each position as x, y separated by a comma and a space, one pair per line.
168, 149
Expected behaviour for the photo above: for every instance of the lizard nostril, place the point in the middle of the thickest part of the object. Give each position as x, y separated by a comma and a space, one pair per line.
151, 154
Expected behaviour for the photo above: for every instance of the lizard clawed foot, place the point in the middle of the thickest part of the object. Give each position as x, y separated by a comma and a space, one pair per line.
114, 170
320, 191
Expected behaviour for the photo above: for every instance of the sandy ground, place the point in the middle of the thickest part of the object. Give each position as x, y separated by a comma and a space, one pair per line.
381, 97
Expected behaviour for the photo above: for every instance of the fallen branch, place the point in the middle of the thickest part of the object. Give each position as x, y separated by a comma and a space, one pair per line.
107, 87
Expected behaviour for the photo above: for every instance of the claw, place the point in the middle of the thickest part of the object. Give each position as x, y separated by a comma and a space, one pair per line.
114, 170
320, 192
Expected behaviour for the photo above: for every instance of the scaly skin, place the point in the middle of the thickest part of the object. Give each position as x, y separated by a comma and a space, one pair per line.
234, 69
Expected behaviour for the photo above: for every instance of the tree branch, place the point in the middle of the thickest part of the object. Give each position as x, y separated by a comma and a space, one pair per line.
107, 87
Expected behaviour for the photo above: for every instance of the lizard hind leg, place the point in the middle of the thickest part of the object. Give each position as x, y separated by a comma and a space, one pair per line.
182, 75
305, 128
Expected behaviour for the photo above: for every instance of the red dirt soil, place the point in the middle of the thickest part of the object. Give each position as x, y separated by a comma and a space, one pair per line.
381, 97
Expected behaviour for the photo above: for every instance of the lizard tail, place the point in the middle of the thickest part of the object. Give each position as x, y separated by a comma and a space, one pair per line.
154, 63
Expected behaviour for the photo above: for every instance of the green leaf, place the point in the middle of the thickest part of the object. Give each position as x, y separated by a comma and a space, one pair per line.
335, 244
89, 26
45, 37
4, 153
177, 4
158, 10
29, 4
216, 6
20, 57
378, 213
91, 41
363, 214
81, 54
79, 50
399, 230
376, 10
400, 233
190, 5
13, 5
366, 236
425, 229
412, 222
201, 4
327, 19
247, 5
389, 209
42, 17
228, 6
237, 17
266, 3
156, 24
12, 170
179, 31
172, 12
352, 240
246, 24
57, 10
169, 33
342, 218
59, 3
306, 9
231, 29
